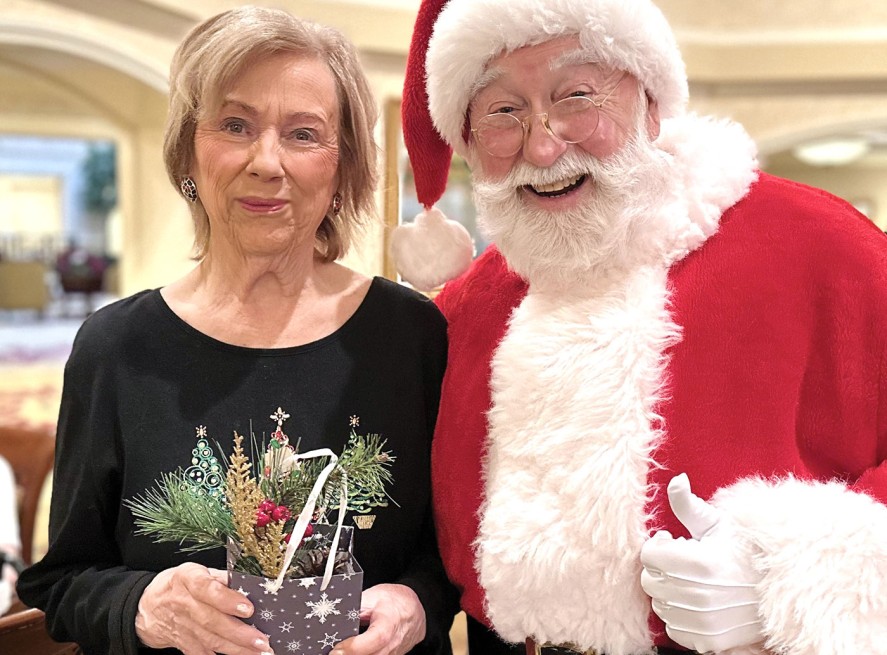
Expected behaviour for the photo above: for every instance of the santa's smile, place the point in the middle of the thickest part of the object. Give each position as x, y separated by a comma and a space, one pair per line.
559, 188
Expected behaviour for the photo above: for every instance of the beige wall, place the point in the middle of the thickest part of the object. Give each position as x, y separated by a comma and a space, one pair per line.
30, 205
788, 71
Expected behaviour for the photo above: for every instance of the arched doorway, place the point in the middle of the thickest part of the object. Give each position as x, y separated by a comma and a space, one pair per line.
97, 85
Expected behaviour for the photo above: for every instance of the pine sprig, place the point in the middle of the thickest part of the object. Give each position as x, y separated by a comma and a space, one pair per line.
176, 512
367, 466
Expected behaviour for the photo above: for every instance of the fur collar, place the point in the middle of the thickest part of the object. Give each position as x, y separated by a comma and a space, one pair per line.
715, 163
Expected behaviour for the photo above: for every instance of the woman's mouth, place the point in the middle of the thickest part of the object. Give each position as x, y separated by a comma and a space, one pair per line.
262, 205
559, 188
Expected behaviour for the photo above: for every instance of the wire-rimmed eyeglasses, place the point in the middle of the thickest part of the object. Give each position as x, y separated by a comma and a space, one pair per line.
571, 120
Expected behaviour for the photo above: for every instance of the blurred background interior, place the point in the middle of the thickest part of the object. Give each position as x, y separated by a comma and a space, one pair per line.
87, 214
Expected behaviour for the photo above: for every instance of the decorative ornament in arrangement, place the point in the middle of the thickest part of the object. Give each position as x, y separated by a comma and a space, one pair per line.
297, 569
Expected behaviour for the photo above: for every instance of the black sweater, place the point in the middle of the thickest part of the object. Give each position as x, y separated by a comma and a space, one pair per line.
138, 385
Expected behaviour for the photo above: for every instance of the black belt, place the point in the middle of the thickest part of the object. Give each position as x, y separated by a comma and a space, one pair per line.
549, 649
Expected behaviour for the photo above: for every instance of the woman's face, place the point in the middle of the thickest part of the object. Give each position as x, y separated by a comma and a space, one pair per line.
266, 159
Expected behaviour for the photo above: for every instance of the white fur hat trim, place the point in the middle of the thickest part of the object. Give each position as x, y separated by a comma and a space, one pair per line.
431, 250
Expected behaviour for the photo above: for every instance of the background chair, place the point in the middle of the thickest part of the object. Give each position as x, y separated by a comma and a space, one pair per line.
24, 633
30, 453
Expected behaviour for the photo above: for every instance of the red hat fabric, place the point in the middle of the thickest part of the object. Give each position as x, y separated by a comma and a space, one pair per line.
432, 249
429, 155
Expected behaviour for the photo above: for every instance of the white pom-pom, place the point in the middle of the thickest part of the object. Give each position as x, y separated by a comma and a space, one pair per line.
431, 250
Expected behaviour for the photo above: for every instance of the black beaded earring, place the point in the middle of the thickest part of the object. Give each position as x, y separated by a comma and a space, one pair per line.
189, 189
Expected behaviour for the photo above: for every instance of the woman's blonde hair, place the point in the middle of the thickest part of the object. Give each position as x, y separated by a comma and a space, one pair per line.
213, 55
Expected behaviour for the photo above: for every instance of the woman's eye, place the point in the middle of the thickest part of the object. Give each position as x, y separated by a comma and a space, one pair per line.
234, 126
504, 110
303, 134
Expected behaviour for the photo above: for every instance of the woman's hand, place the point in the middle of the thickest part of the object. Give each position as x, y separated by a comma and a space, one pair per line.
396, 622
190, 607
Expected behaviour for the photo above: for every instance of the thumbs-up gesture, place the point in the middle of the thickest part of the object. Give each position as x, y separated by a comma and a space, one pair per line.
702, 588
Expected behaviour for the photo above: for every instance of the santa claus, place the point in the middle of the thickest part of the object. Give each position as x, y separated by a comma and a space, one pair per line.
655, 313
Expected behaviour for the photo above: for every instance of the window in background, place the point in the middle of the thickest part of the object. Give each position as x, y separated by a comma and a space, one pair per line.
54, 192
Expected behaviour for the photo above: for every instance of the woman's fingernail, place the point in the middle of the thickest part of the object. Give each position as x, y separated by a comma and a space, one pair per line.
244, 610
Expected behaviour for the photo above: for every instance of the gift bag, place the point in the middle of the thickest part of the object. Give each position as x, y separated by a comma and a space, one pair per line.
303, 616
307, 614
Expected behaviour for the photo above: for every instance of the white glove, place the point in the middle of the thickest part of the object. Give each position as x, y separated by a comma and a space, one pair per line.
703, 588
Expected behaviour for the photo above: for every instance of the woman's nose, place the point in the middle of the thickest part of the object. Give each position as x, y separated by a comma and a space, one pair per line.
265, 157
541, 148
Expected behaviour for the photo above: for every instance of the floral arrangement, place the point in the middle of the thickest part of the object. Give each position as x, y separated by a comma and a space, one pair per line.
253, 504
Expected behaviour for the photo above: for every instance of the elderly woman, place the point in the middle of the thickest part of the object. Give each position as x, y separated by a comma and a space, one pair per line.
269, 138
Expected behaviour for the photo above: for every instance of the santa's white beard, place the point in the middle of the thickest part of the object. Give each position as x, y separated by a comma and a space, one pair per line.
611, 231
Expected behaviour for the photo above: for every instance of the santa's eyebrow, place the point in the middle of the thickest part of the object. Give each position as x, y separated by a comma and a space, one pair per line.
573, 58
582, 56
489, 76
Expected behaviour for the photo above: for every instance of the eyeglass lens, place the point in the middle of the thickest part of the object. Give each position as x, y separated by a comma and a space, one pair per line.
573, 119
570, 120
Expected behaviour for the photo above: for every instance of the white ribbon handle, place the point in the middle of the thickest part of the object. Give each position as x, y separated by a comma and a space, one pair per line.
343, 506
305, 517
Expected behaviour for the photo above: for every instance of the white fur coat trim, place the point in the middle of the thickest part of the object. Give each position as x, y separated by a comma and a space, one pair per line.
572, 427
715, 161
630, 35
822, 551
571, 432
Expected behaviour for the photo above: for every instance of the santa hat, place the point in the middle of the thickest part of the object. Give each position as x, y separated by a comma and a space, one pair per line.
453, 42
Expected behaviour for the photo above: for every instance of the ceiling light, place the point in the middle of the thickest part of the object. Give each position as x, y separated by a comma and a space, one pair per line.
832, 152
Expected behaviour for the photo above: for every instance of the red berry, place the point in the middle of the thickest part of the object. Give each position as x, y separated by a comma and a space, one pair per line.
262, 519
281, 513
267, 506
309, 530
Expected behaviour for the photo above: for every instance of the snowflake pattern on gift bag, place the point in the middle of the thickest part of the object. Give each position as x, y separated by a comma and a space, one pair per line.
300, 617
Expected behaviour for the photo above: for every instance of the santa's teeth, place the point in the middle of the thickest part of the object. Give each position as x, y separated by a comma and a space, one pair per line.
555, 186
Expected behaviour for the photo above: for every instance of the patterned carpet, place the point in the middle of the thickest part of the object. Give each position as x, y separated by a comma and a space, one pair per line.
32, 360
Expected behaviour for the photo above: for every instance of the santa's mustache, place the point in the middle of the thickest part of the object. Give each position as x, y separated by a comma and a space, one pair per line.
620, 171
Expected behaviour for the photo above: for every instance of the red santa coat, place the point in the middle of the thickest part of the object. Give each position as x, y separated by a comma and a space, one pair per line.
762, 378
